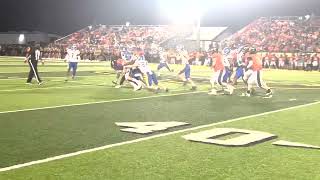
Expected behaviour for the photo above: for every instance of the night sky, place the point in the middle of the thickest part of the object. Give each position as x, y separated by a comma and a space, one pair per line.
66, 16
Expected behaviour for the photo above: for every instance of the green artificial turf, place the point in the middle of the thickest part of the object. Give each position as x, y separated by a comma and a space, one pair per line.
29, 135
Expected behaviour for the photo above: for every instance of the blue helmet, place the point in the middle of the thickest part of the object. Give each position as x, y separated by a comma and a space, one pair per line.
226, 51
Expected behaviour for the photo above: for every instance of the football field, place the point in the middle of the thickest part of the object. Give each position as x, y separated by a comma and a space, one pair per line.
68, 129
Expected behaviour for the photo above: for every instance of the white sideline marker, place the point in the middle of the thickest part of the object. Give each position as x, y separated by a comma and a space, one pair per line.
147, 138
294, 144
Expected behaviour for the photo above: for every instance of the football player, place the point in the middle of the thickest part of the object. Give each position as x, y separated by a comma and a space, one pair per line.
240, 64
117, 65
133, 76
153, 83
132, 72
163, 61
73, 57
217, 78
255, 64
185, 73
227, 58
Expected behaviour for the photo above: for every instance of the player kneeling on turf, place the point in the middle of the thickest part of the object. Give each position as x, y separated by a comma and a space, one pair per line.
133, 76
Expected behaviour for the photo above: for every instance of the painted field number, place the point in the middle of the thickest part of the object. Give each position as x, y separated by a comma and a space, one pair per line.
246, 137
243, 138
229, 137
148, 127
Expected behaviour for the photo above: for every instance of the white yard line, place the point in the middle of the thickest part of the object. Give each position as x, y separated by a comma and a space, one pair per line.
147, 138
54, 77
106, 101
46, 88
101, 85
298, 88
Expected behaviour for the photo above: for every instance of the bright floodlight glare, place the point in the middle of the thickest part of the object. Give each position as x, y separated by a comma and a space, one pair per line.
127, 24
90, 27
307, 17
184, 11
21, 38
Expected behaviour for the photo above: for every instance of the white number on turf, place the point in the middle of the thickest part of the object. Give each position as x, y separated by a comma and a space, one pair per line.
246, 138
148, 127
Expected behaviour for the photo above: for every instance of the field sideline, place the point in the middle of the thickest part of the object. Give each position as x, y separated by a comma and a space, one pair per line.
59, 119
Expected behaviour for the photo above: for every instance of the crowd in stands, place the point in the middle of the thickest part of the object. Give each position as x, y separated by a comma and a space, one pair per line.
290, 61
12, 50
293, 61
280, 35
94, 41
291, 43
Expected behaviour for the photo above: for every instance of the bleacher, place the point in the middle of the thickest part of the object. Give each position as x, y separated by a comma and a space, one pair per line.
279, 34
273, 34
117, 36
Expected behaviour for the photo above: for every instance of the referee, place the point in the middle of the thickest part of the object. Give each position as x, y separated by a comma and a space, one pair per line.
32, 57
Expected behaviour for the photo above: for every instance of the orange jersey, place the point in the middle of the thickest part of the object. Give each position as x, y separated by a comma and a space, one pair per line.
257, 63
218, 66
121, 62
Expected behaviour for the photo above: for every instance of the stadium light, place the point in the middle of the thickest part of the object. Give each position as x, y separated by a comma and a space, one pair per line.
21, 39
307, 17
184, 11
127, 23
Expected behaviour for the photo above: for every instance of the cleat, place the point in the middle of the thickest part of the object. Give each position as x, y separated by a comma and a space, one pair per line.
157, 90
267, 97
137, 88
29, 83
117, 86
248, 93
230, 90
269, 92
114, 82
184, 83
213, 92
